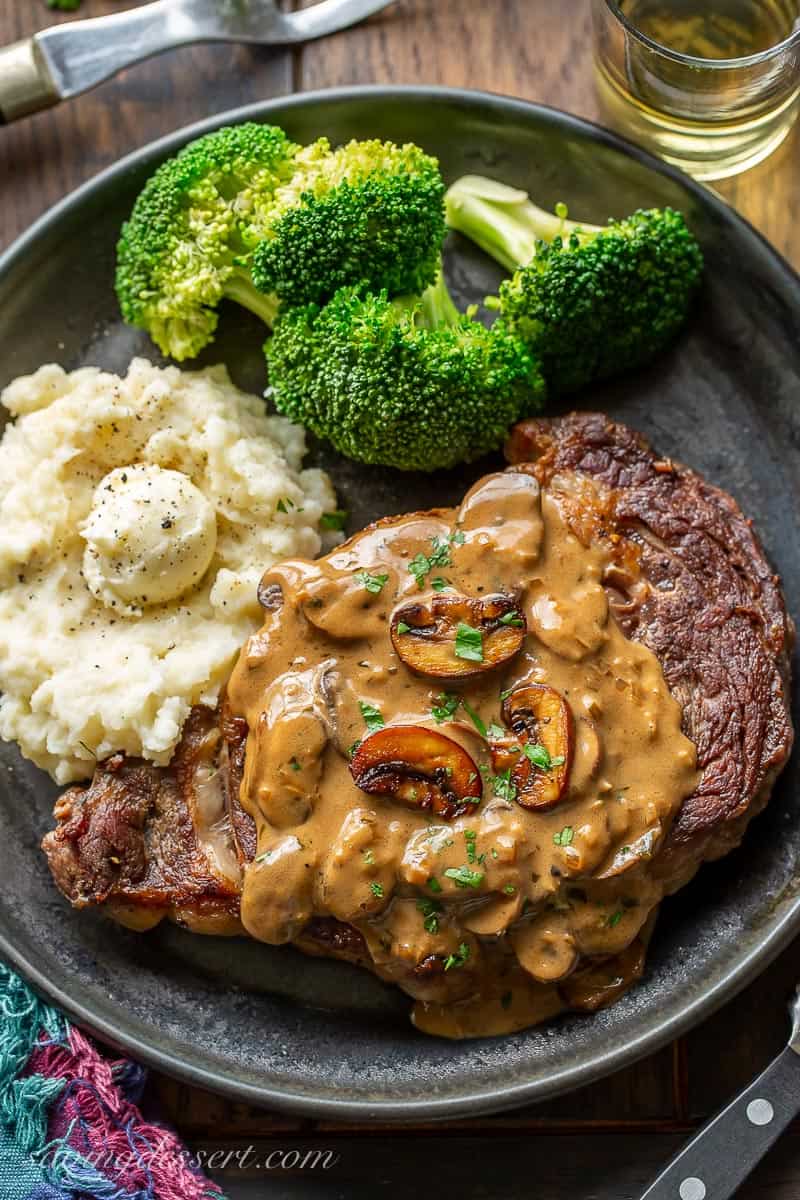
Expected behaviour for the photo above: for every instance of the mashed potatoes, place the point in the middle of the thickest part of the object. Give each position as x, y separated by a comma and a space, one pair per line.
136, 518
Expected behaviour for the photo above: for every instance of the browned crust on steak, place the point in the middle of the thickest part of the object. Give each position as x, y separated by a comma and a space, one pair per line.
129, 839
711, 609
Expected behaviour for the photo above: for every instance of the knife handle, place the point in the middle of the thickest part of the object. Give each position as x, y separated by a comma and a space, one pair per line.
26, 85
717, 1161
67, 59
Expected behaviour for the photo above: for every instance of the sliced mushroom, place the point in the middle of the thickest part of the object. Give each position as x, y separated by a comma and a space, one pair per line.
455, 637
600, 983
419, 767
543, 728
270, 595
640, 849
545, 947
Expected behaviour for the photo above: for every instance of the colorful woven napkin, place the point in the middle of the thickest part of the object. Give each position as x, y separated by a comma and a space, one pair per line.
70, 1128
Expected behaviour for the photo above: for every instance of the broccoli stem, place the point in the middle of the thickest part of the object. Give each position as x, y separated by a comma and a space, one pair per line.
240, 287
437, 305
434, 308
504, 222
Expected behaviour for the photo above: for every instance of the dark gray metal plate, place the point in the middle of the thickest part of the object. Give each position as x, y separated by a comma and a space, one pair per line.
270, 1025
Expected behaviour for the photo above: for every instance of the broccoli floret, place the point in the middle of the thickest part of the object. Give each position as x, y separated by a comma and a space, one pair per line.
245, 214
186, 244
590, 301
407, 383
368, 211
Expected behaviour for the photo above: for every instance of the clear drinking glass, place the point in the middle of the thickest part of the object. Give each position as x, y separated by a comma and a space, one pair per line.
711, 86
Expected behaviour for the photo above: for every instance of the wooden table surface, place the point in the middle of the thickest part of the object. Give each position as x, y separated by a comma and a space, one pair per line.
604, 1142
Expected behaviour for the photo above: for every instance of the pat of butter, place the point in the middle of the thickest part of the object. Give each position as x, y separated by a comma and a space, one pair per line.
150, 537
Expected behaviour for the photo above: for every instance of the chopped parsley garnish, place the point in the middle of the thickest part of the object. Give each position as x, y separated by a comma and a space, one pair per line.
334, 520
476, 720
463, 877
458, 959
371, 583
284, 504
441, 551
294, 764
503, 787
469, 643
494, 853
446, 707
564, 837
373, 717
512, 618
369, 857
402, 627
614, 919
540, 757
434, 885
352, 749
422, 564
419, 567
377, 890
430, 910
509, 889
470, 837
495, 732
504, 695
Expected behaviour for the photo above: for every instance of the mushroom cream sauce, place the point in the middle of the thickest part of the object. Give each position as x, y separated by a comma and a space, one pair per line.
501, 915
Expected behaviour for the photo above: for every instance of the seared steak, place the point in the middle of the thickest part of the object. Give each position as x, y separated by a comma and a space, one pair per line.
695, 587
150, 842
685, 577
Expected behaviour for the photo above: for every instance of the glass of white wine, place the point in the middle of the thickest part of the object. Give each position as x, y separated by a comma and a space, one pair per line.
711, 85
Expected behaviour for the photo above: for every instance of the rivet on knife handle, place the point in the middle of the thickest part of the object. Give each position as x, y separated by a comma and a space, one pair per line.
25, 82
715, 1164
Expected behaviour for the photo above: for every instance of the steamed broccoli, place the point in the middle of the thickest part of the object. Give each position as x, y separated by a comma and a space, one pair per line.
186, 244
369, 211
590, 301
247, 215
407, 383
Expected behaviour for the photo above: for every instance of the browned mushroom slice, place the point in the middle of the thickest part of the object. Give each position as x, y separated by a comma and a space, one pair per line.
543, 728
455, 637
420, 768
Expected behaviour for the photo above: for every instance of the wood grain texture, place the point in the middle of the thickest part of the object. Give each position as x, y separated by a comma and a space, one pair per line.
604, 1142
535, 49
46, 156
